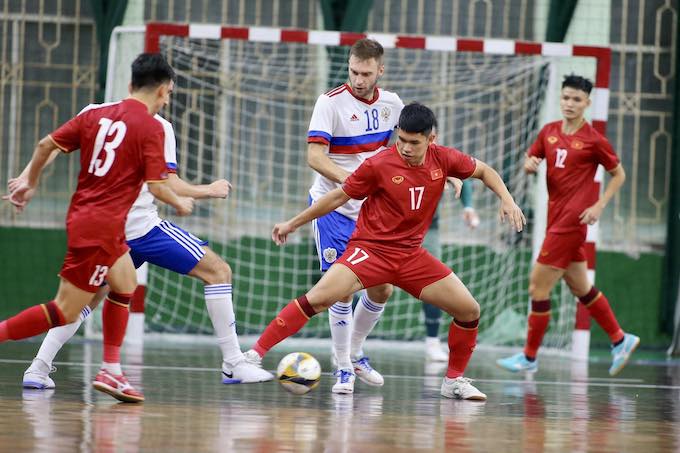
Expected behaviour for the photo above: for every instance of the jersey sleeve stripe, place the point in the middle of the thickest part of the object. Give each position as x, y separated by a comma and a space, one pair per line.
320, 134
172, 167
64, 149
361, 139
155, 180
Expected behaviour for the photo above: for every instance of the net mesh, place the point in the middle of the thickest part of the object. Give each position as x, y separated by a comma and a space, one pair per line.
241, 111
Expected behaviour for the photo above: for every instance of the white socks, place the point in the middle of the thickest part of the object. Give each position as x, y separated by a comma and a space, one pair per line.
366, 315
221, 311
57, 336
340, 321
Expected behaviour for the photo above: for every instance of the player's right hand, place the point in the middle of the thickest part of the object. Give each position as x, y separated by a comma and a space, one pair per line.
13, 183
509, 210
531, 164
220, 188
21, 195
281, 231
185, 206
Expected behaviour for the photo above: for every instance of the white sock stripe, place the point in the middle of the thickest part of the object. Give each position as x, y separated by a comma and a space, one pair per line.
340, 311
370, 306
183, 240
210, 290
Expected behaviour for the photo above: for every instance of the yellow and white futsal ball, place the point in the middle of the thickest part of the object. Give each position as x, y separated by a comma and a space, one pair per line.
298, 372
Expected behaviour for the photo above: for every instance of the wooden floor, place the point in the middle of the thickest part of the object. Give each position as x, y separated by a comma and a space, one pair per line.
565, 408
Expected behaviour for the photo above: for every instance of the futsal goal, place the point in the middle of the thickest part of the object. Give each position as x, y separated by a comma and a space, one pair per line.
241, 109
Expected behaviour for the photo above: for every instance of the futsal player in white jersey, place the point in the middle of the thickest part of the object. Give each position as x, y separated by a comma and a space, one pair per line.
160, 242
349, 124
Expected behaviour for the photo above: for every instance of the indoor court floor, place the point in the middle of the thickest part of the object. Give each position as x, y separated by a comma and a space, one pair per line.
566, 406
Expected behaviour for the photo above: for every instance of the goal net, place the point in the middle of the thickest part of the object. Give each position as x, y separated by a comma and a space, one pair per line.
241, 109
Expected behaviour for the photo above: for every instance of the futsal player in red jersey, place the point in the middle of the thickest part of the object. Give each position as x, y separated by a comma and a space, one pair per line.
121, 146
572, 149
402, 186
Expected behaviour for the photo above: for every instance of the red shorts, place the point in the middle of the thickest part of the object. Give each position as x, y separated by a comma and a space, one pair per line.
86, 267
561, 249
411, 270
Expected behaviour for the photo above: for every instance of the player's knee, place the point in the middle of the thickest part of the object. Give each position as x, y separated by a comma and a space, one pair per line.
69, 312
468, 312
536, 292
218, 272
380, 294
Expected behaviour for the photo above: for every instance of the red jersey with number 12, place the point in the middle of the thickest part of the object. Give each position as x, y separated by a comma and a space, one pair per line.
401, 200
572, 162
121, 146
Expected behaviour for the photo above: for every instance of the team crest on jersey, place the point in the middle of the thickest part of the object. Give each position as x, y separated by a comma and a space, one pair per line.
385, 113
552, 139
577, 144
436, 174
397, 179
354, 117
330, 254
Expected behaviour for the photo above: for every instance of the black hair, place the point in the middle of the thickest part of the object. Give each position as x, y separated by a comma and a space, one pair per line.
577, 82
417, 118
149, 70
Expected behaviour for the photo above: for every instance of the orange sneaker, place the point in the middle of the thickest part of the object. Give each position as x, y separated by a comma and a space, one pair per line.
117, 386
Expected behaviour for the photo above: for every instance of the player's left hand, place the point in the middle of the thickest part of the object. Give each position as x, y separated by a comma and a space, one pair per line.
509, 210
591, 215
281, 231
471, 218
220, 188
13, 183
21, 195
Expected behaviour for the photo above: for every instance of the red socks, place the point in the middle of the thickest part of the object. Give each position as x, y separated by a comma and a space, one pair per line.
598, 307
32, 321
114, 319
288, 322
462, 341
539, 318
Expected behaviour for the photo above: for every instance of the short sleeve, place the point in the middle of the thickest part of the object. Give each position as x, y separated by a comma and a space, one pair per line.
605, 154
362, 182
322, 124
537, 149
170, 144
155, 168
67, 136
397, 110
458, 164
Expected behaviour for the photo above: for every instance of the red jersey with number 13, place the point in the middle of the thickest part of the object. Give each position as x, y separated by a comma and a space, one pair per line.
121, 146
401, 200
572, 162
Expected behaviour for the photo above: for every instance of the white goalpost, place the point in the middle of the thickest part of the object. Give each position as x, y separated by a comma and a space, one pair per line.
241, 108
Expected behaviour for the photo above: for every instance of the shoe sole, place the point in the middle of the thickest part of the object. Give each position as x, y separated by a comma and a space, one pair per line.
367, 382
35, 385
471, 398
625, 362
104, 388
342, 392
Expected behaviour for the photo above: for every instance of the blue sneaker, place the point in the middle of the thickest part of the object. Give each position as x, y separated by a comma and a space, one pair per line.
518, 362
621, 353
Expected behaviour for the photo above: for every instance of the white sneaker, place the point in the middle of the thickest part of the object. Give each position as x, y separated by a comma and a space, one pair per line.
245, 372
37, 376
461, 388
345, 382
365, 372
434, 351
253, 357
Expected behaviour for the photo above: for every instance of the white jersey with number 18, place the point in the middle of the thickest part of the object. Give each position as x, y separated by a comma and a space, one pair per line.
354, 130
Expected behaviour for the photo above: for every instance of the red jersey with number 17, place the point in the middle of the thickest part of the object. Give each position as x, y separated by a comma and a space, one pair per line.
121, 146
572, 161
400, 199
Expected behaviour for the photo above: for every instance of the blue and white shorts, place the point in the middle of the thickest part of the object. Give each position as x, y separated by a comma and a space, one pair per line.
331, 234
169, 247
